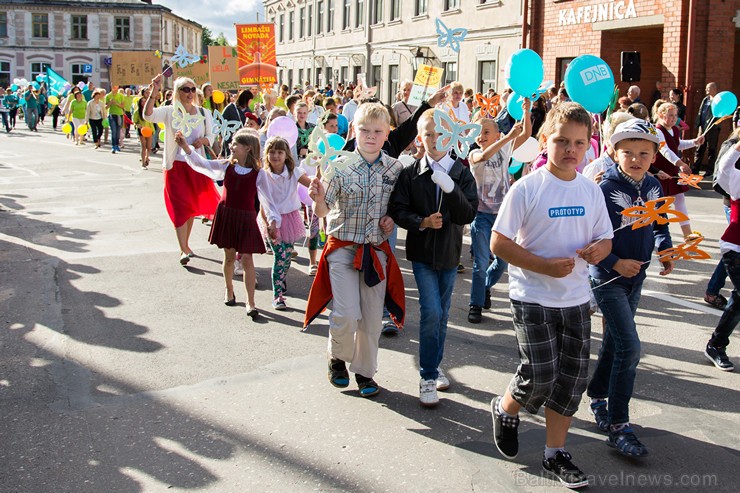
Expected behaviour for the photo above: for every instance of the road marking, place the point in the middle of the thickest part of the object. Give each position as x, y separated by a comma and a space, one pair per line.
686, 304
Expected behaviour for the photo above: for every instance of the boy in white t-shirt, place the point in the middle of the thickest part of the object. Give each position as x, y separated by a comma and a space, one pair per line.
551, 224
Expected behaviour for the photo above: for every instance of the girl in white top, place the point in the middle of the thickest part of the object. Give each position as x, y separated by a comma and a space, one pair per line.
456, 106
283, 219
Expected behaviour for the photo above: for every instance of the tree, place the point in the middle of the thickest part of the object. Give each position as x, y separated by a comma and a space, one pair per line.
221, 40
207, 39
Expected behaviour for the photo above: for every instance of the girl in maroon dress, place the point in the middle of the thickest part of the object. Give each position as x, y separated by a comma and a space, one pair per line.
668, 161
235, 223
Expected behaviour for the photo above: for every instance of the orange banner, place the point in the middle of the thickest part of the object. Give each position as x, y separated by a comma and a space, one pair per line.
255, 44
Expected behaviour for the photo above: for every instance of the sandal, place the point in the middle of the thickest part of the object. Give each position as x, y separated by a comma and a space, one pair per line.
338, 374
367, 386
716, 300
252, 312
695, 235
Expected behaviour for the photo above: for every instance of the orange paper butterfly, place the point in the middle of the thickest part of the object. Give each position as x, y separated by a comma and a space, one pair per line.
690, 180
684, 251
489, 107
266, 86
651, 212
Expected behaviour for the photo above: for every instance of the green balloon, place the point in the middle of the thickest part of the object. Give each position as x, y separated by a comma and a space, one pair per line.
106, 123
161, 135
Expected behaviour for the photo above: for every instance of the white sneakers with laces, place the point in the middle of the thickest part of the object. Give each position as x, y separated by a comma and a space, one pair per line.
428, 393
443, 383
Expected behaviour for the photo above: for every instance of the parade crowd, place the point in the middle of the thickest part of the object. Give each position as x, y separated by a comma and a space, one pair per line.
560, 221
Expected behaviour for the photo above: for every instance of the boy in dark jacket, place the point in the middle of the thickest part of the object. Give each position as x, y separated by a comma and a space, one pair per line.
617, 281
434, 218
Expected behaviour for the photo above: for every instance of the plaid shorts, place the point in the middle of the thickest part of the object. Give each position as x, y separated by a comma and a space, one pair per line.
554, 347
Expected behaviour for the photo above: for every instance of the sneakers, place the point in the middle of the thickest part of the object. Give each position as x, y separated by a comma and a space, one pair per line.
338, 374
279, 304
626, 442
474, 315
505, 431
601, 414
716, 300
460, 268
718, 356
366, 386
443, 383
487, 300
184, 259
562, 468
428, 393
389, 328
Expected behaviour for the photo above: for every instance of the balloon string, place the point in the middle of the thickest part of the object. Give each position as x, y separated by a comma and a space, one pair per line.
614, 279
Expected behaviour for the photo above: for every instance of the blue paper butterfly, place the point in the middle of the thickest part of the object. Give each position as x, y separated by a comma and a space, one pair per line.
454, 134
224, 128
183, 58
451, 37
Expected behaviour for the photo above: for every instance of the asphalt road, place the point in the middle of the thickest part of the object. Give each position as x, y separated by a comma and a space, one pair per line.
122, 371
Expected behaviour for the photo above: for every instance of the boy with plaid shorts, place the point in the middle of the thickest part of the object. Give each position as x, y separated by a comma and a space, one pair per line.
551, 225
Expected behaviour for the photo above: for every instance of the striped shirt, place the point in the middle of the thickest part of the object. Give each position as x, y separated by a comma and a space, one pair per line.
358, 196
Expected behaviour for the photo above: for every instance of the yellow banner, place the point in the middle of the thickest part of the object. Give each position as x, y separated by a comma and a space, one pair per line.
426, 75
133, 68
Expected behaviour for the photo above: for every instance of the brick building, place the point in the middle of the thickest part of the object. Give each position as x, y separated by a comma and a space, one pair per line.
682, 43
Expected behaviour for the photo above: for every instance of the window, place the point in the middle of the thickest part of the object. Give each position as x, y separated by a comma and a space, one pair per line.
420, 7
3, 25
450, 72
309, 21
344, 72
78, 73
40, 25
345, 14
123, 29
359, 13
290, 79
319, 17
291, 22
452, 4
165, 35
4, 74
377, 13
395, 9
392, 82
302, 22
356, 70
330, 17
38, 68
79, 27
487, 76
327, 75
562, 66
300, 74
375, 76
281, 29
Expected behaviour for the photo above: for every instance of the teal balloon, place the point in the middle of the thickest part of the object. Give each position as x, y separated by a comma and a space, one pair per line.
36, 85
41, 78
336, 142
525, 72
14, 87
723, 104
21, 101
590, 83
514, 106
342, 124
515, 166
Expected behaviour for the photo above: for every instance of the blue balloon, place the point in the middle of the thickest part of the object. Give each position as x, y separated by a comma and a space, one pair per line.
336, 142
342, 124
514, 106
590, 83
525, 72
41, 78
723, 104
36, 85
14, 87
515, 166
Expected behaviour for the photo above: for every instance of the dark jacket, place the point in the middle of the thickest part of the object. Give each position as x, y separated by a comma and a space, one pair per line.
415, 197
637, 244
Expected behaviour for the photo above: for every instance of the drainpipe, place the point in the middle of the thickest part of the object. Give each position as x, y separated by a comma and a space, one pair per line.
525, 26
690, 63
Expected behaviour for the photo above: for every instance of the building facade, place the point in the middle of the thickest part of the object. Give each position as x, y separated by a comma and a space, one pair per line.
76, 38
335, 40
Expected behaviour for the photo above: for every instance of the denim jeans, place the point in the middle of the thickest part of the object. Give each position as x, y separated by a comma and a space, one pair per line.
616, 368
5, 117
731, 316
719, 276
484, 275
32, 117
115, 122
435, 293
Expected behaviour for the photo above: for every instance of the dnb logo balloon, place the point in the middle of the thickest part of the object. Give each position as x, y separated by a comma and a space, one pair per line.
590, 83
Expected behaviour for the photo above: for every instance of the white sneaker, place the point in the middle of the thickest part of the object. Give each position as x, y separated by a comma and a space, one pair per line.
238, 271
443, 383
428, 393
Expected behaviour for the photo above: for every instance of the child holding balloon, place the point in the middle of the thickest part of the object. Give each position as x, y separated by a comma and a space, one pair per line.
283, 219
144, 129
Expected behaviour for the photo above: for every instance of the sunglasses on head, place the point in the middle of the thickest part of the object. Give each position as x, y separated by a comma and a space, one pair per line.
188, 89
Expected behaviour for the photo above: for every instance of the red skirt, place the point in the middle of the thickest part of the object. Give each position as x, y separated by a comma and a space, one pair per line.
236, 228
188, 193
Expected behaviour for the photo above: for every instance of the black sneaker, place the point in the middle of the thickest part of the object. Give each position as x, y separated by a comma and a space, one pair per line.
338, 374
626, 442
505, 431
718, 356
487, 300
601, 415
474, 315
460, 268
562, 468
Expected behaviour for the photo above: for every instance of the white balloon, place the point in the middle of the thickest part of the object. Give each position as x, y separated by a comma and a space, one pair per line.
443, 180
527, 151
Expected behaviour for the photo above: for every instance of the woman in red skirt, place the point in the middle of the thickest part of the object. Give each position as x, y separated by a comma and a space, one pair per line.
187, 194
235, 224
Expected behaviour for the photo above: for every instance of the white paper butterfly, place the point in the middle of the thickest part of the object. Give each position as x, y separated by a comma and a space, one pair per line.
184, 121
224, 128
368, 92
327, 161
183, 58
453, 134
451, 37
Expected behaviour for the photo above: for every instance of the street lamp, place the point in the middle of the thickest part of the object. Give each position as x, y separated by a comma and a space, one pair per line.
419, 58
